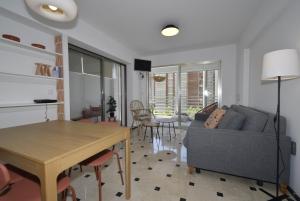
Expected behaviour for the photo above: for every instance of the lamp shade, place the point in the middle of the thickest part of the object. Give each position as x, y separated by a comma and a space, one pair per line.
283, 63
57, 10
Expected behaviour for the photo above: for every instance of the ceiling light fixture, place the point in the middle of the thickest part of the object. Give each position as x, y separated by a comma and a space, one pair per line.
56, 10
170, 30
53, 8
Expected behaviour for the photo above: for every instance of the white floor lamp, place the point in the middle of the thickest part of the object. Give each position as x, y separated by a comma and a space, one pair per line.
280, 65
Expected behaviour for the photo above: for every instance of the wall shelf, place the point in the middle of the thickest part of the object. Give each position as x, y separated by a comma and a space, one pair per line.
11, 105
4, 41
30, 76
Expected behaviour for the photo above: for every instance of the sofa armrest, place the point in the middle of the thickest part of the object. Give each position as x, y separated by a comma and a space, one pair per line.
200, 116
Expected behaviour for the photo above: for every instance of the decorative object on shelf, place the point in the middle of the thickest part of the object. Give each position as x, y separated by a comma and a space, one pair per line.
48, 71
159, 78
42, 69
39, 69
280, 65
45, 101
37, 45
112, 105
56, 10
55, 71
11, 37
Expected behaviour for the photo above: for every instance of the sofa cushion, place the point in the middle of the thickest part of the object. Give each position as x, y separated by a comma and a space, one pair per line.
232, 120
214, 118
197, 124
255, 120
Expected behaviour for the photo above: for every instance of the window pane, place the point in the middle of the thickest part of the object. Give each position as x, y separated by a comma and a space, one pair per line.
75, 61
91, 65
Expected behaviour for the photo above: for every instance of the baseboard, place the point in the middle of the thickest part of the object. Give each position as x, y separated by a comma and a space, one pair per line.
293, 193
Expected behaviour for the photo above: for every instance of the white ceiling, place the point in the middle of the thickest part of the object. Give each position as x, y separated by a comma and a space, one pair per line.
137, 23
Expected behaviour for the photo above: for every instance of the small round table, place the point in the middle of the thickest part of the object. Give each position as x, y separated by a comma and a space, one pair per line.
151, 124
168, 121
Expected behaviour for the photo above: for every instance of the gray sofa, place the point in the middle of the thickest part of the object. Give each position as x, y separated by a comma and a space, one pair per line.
249, 151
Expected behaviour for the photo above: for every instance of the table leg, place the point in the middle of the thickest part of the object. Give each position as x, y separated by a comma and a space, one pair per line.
49, 186
174, 129
151, 128
127, 170
170, 130
162, 129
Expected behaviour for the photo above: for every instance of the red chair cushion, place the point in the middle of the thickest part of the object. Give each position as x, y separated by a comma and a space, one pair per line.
63, 184
23, 190
4, 176
98, 159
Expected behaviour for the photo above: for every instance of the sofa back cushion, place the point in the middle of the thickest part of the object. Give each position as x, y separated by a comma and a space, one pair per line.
232, 120
214, 118
255, 120
270, 125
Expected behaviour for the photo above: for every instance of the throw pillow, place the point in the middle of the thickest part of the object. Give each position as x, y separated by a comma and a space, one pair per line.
232, 120
210, 108
214, 118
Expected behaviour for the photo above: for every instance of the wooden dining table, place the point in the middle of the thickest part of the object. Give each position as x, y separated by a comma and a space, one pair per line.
47, 149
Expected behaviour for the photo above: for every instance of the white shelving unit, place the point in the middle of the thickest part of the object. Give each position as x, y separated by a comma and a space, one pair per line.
25, 47
30, 76
10, 105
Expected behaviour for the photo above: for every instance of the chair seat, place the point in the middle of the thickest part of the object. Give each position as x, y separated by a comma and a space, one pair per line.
23, 190
63, 184
151, 124
98, 159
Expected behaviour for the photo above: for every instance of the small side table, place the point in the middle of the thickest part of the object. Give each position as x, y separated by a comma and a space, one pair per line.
168, 121
151, 124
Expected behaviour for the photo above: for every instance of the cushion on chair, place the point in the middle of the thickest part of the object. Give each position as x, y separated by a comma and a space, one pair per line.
214, 118
4, 176
24, 190
255, 120
98, 159
232, 120
63, 184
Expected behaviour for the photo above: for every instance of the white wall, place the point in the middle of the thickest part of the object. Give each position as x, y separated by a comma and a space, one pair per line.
280, 33
86, 36
22, 90
227, 55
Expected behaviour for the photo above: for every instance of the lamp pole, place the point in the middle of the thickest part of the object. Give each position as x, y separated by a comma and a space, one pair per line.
278, 136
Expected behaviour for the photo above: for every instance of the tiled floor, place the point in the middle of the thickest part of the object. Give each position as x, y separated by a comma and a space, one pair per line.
159, 173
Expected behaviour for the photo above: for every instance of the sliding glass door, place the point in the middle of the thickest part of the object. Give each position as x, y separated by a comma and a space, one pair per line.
94, 80
181, 91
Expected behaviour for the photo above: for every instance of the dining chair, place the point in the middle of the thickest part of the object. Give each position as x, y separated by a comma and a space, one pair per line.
16, 187
97, 161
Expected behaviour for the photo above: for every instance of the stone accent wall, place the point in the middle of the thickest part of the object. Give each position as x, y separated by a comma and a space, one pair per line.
59, 83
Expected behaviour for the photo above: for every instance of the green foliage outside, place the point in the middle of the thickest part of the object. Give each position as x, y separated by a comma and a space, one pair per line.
192, 110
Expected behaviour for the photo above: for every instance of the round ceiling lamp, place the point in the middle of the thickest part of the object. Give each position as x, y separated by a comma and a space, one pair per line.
57, 10
170, 30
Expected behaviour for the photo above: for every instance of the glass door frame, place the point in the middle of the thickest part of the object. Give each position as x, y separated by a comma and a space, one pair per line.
123, 69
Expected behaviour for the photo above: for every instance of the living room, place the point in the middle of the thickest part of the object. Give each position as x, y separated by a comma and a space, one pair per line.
232, 37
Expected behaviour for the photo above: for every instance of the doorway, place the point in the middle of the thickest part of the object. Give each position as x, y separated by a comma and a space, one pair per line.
94, 80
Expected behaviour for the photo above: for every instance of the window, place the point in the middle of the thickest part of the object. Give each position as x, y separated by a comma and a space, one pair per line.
183, 89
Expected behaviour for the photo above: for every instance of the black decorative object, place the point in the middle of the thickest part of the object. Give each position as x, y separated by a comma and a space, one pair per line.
112, 105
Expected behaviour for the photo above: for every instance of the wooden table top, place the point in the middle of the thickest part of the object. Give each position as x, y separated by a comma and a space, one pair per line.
44, 142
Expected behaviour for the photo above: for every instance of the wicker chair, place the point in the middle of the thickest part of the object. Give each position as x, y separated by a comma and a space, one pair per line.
139, 113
